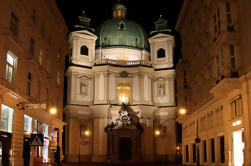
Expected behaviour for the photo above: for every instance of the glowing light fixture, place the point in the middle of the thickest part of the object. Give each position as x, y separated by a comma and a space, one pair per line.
53, 110
182, 111
236, 123
87, 133
157, 132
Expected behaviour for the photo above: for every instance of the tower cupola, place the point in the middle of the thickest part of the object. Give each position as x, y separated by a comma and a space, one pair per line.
119, 11
83, 23
161, 26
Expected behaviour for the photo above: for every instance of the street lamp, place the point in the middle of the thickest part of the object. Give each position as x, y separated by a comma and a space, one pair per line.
87, 133
157, 132
197, 141
53, 110
182, 111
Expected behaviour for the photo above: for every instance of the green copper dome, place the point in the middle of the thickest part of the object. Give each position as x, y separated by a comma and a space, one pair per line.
122, 33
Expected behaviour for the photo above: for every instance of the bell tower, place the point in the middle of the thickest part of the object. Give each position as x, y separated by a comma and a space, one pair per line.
82, 43
162, 45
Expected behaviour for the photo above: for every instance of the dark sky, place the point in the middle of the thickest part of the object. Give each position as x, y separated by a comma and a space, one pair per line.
143, 12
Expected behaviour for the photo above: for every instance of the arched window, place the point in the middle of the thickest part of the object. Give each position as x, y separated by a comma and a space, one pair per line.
84, 50
161, 53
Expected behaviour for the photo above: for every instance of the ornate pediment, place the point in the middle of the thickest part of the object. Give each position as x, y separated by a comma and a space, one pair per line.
127, 119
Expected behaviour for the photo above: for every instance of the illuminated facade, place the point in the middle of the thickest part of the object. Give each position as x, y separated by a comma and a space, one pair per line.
213, 82
32, 49
115, 66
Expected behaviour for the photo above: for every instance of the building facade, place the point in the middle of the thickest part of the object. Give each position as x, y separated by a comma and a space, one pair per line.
213, 82
32, 49
120, 92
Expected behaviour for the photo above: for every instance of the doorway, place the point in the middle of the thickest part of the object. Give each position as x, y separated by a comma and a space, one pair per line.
238, 146
26, 151
125, 148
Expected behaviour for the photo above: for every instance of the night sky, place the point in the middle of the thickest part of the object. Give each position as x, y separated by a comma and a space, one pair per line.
143, 12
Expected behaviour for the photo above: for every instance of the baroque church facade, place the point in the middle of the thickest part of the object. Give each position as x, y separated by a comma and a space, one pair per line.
120, 92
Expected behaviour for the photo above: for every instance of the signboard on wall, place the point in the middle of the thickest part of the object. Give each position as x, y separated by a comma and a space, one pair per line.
37, 139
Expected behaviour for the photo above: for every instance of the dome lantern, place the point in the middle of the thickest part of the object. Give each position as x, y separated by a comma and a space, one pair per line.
119, 11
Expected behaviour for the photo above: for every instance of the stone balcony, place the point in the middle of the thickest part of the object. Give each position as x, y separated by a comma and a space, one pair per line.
123, 62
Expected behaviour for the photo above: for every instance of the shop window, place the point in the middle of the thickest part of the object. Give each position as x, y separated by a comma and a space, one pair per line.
46, 130
10, 63
45, 150
236, 108
212, 151
14, 24
27, 124
6, 118
161, 53
84, 50
222, 149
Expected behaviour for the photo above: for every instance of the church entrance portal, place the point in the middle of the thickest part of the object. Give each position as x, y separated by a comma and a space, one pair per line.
124, 136
125, 148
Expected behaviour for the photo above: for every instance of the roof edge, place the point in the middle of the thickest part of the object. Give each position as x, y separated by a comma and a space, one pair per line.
181, 15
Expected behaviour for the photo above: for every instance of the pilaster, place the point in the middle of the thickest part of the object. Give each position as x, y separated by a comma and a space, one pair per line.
99, 141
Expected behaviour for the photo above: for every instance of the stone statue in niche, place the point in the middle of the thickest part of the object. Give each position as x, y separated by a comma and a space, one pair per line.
83, 89
162, 90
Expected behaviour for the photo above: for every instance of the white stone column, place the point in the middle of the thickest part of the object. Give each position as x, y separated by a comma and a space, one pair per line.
101, 89
147, 135
135, 88
146, 88
99, 141
112, 87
